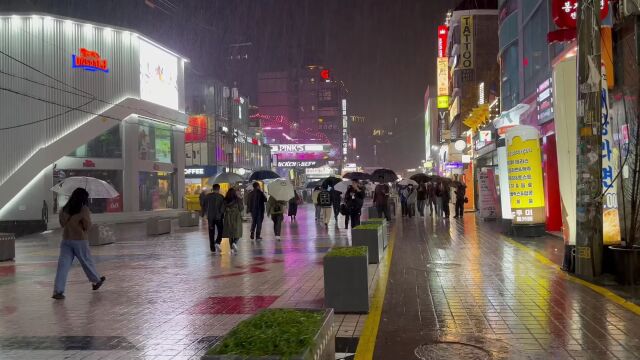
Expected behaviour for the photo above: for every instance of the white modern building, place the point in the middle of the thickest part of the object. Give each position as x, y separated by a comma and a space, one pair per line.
84, 99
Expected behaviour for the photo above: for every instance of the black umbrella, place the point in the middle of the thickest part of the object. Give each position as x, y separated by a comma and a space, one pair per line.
313, 184
356, 175
420, 178
263, 175
384, 175
331, 181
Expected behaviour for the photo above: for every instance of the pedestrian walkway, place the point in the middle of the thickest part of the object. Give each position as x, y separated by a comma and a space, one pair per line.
458, 289
165, 297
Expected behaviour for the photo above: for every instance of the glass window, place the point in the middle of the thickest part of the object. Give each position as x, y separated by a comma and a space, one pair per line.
536, 50
509, 77
154, 142
156, 190
107, 145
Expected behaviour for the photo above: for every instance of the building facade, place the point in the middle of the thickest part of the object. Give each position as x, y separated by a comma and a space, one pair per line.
84, 99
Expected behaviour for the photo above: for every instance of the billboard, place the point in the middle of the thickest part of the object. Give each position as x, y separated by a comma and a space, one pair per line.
197, 129
443, 76
158, 75
443, 33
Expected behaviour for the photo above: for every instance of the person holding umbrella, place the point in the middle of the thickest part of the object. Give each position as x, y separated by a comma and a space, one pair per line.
353, 200
275, 209
421, 194
336, 200
381, 200
75, 219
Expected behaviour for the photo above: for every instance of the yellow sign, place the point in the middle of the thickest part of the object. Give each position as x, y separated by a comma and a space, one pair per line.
466, 42
478, 117
443, 76
443, 102
526, 189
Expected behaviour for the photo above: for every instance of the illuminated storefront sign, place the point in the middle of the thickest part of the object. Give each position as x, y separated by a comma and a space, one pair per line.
466, 42
544, 101
325, 74
197, 129
443, 33
296, 163
298, 148
443, 102
443, 76
524, 164
89, 60
565, 12
194, 171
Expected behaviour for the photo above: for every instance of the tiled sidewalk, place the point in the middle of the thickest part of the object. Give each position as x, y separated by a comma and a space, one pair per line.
458, 288
165, 297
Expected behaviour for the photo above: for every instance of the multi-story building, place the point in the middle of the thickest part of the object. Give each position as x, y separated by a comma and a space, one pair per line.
305, 106
220, 137
99, 101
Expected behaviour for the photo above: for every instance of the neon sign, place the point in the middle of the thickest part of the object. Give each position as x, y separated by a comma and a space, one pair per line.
89, 60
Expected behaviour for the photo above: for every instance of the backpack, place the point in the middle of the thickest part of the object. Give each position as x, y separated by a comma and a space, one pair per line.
277, 209
324, 199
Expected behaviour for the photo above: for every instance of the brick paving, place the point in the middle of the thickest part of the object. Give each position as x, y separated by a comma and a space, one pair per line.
165, 297
459, 282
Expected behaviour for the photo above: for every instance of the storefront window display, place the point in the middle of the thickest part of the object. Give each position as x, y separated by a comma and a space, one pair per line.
113, 177
154, 142
107, 145
156, 190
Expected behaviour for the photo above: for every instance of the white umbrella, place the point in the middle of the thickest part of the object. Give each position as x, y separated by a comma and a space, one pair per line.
97, 189
405, 182
281, 190
229, 178
342, 186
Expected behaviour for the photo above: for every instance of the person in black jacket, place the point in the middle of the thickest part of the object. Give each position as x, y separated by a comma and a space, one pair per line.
353, 200
256, 202
214, 208
336, 200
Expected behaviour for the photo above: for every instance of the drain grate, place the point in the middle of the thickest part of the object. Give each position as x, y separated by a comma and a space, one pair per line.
451, 350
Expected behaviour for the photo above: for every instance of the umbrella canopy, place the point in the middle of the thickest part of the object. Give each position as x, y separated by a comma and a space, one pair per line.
229, 178
313, 184
420, 178
384, 176
356, 175
331, 181
342, 186
97, 189
281, 190
263, 175
407, 182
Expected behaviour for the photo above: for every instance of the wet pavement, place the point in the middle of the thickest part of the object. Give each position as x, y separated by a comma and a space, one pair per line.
165, 297
459, 289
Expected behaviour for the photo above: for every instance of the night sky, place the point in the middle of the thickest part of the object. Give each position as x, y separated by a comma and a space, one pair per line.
383, 50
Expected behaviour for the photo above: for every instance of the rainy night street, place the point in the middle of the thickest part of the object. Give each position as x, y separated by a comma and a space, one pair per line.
167, 297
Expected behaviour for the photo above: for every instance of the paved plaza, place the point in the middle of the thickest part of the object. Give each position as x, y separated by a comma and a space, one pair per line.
456, 288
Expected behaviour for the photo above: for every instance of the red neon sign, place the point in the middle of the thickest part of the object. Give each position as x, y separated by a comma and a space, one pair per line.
89, 60
565, 12
443, 33
197, 129
324, 74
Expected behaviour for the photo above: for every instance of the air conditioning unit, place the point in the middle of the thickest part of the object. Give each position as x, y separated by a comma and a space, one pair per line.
630, 7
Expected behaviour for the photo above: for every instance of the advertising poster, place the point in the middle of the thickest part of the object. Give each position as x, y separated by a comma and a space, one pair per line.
524, 163
611, 222
158, 75
197, 129
503, 181
487, 197
163, 145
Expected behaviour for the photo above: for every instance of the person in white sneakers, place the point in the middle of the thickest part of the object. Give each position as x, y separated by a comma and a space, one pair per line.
232, 228
326, 206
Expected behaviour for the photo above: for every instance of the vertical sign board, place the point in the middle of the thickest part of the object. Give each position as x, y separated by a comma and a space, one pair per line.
466, 42
611, 222
443, 76
443, 33
524, 162
487, 197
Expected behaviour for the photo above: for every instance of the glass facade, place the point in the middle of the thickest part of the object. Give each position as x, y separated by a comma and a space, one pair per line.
156, 190
536, 49
107, 145
509, 91
154, 142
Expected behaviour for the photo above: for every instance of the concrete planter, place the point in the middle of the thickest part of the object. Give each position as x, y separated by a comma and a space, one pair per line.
370, 237
7, 246
158, 226
373, 212
101, 235
188, 219
385, 229
346, 284
323, 348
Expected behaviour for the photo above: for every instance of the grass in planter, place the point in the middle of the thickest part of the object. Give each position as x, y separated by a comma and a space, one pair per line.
349, 251
367, 227
276, 332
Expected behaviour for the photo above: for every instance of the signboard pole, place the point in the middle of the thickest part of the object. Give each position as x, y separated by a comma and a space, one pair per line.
589, 144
